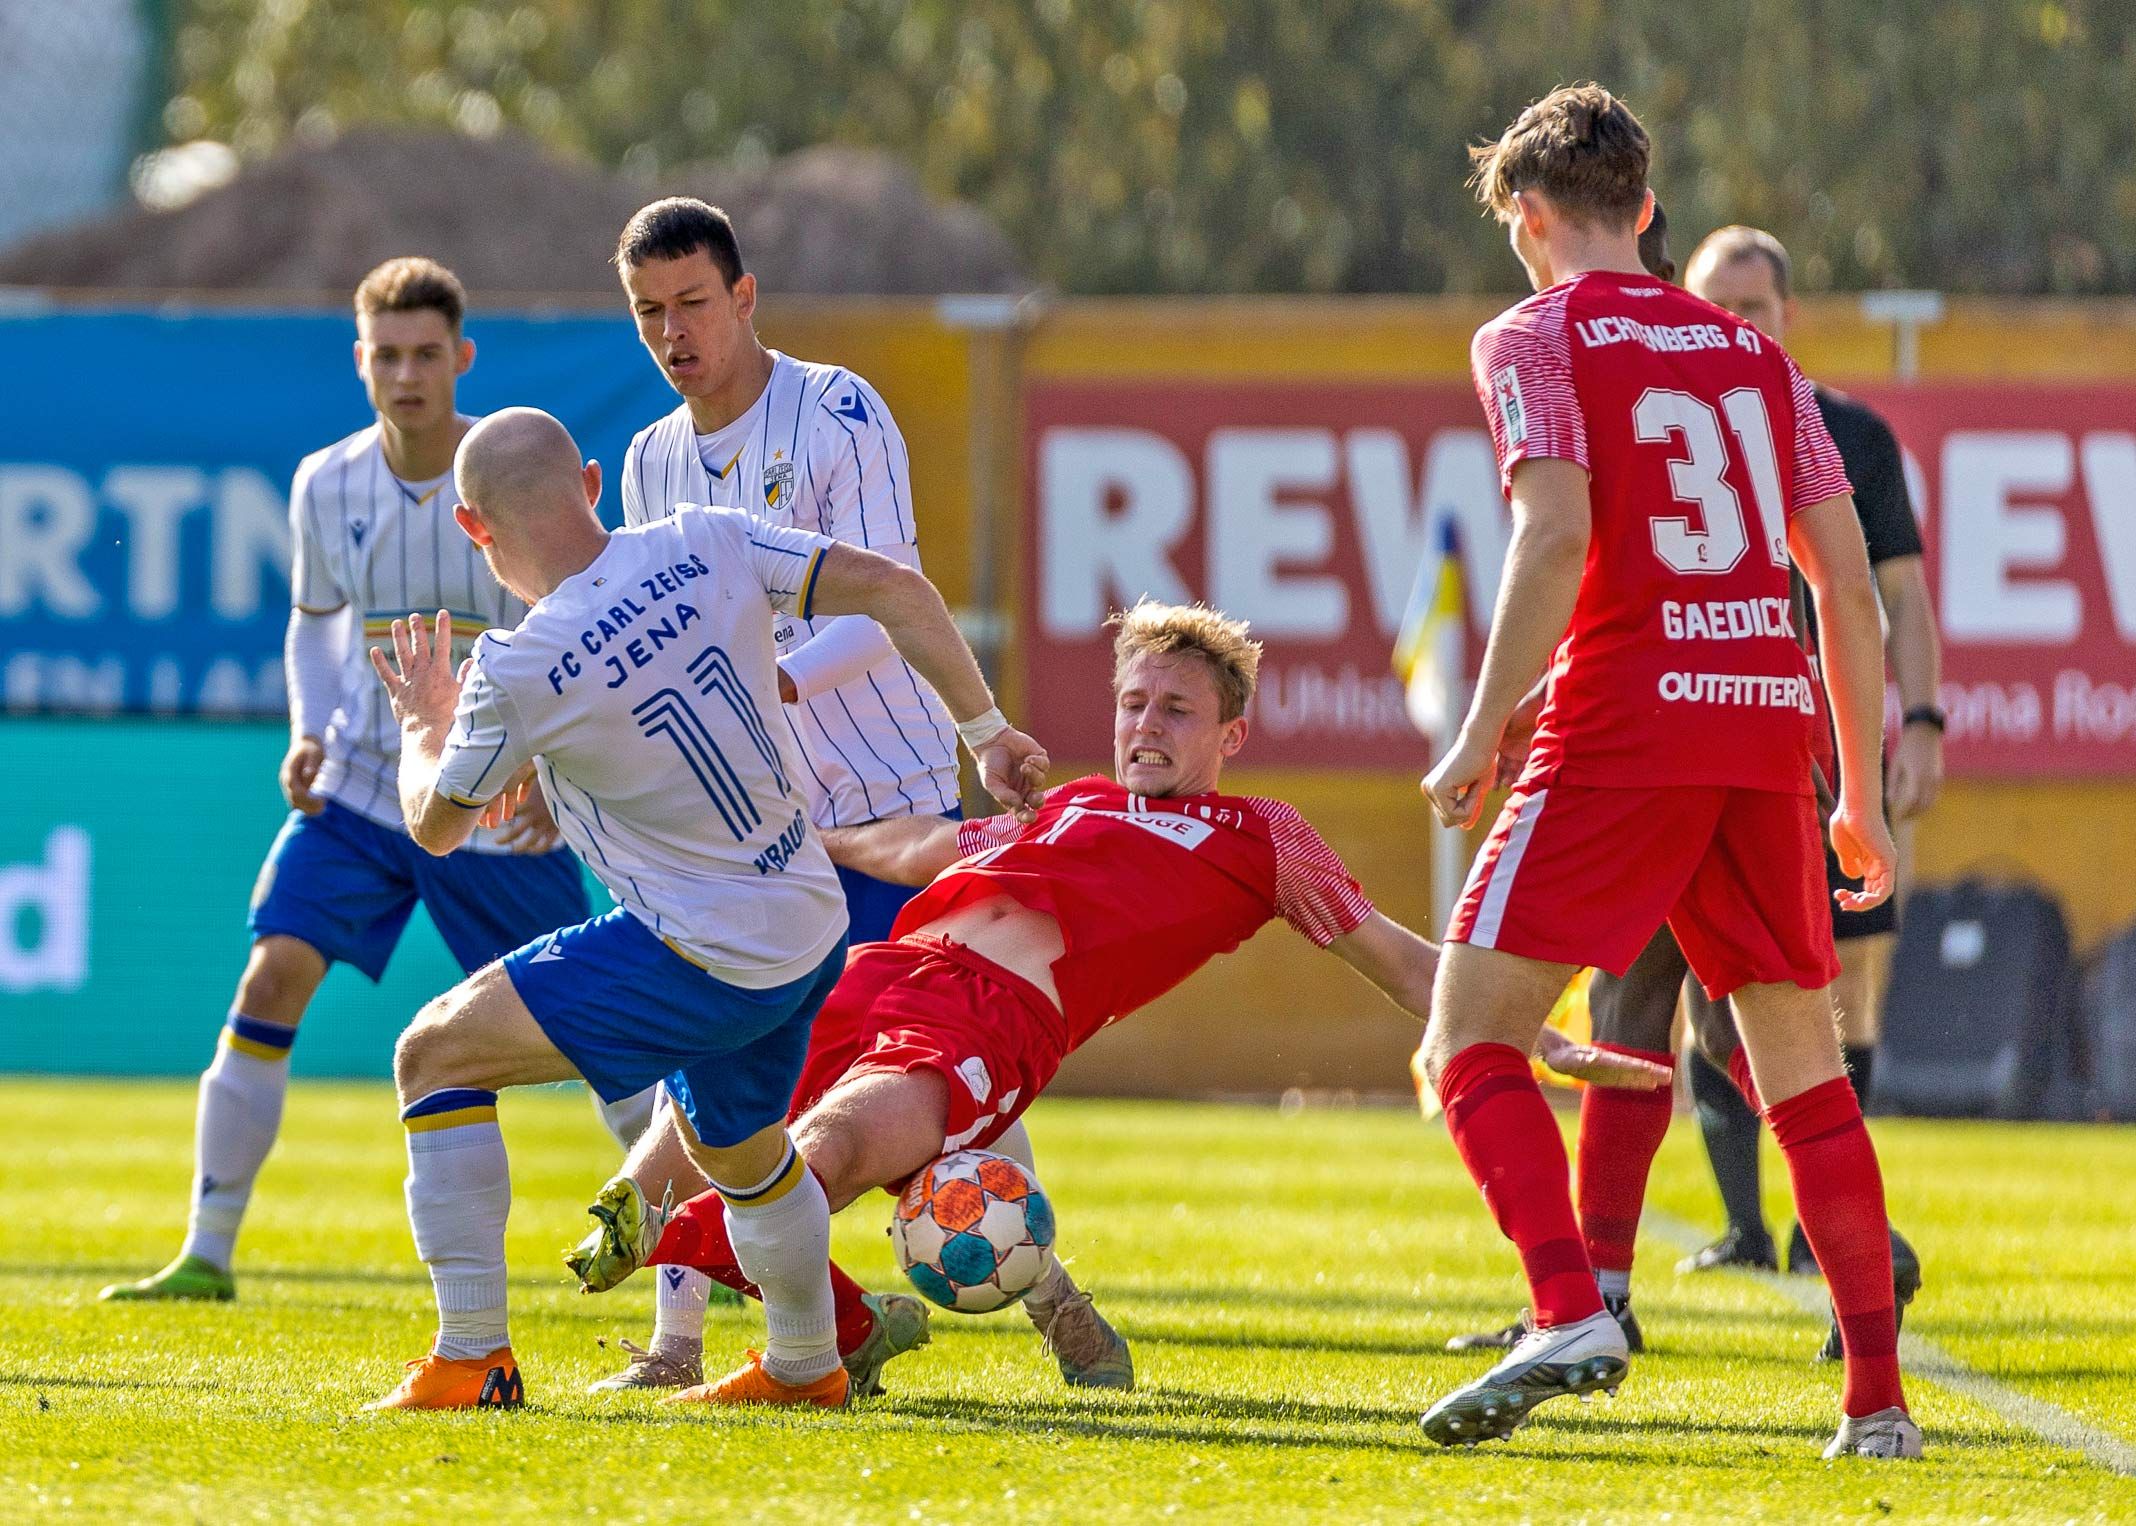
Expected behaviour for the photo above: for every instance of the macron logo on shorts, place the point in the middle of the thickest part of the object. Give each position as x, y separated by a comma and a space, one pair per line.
549, 951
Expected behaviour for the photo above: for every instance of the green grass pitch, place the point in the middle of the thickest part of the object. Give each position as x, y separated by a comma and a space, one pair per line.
1288, 1281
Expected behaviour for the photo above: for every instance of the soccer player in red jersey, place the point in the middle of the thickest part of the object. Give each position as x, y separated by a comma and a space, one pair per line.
1663, 460
1031, 937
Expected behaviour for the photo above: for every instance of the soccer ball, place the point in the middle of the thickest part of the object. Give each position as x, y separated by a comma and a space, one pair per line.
973, 1231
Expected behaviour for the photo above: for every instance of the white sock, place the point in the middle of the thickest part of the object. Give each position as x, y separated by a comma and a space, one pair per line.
1614, 1284
1015, 1142
240, 1113
1054, 1286
679, 1311
459, 1196
781, 1232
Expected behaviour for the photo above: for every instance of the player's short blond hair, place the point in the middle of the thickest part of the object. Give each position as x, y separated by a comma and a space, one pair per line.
1580, 146
1737, 241
411, 284
1225, 645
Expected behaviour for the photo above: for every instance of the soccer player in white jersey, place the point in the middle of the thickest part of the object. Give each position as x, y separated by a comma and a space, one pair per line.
371, 517
801, 443
641, 686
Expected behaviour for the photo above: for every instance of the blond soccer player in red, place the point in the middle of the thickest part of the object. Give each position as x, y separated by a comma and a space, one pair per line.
1663, 460
1032, 937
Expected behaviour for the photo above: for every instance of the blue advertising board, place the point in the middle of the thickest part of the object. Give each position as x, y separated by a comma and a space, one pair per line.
145, 460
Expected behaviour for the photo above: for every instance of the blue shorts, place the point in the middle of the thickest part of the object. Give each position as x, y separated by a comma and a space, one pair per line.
628, 1011
872, 905
345, 885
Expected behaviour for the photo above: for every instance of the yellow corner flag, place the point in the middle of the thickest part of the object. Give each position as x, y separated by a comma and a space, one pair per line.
1431, 653
1569, 1015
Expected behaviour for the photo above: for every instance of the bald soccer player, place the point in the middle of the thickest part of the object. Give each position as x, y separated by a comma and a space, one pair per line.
644, 676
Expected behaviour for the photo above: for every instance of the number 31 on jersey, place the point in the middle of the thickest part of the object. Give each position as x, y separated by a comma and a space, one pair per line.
1719, 538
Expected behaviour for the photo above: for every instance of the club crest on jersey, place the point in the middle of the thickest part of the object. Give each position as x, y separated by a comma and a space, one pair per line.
778, 484
1505, 387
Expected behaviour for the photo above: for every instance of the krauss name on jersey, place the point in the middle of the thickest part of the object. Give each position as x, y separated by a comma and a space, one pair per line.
630, 634
1671, 338
780, 853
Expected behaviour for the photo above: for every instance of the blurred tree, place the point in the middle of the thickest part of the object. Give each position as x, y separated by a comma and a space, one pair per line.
1275, 145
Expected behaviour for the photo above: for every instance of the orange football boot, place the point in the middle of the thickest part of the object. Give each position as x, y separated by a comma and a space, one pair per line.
437, 1382
751, 1384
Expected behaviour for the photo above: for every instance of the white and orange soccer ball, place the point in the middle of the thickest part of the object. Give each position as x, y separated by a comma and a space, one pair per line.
973, 1231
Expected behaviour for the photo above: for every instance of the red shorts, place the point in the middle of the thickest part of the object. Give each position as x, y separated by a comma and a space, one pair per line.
1579, 875
925, 1003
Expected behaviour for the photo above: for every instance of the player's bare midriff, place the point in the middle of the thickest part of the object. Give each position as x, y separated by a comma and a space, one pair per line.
1000, 928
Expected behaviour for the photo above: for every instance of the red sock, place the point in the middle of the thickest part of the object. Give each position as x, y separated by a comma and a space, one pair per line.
1620, 1130
1739, 1072
1839, 1196
1511, 1146
697, 1237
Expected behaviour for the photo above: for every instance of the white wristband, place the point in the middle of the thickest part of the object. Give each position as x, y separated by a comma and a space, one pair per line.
982, 729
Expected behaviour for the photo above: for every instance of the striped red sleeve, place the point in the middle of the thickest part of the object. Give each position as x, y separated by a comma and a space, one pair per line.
1314, 892
1522, 365
986, 832
1819, 473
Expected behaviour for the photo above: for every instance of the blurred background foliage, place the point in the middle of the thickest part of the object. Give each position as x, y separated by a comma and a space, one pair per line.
1314, 145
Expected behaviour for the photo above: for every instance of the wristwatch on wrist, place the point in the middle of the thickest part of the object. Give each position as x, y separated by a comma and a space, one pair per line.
1925, 715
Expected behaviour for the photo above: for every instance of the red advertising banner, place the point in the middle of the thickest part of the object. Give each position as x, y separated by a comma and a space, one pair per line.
1309, 509
2027, 497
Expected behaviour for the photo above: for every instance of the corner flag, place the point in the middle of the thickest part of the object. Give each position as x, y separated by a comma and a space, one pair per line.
1431, 653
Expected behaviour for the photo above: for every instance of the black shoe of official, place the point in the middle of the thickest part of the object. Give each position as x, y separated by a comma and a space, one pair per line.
1491, 1340
1738, 1246
1801, 1260
1905, 1283
1509, 1337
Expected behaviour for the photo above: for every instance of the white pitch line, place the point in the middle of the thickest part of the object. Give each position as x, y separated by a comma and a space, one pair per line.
1923, 1358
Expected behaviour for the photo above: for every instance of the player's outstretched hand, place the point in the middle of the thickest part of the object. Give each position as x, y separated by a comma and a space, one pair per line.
300, 766
1863, 844
1458, 782
1600, 1067
420, 681
1013, 768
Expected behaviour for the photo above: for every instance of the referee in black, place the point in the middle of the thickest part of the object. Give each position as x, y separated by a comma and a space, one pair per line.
1747, 271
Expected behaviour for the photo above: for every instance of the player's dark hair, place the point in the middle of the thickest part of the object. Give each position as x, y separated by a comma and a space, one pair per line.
1654, 246
1580, 146
411, 284
676, 226
1724, 246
